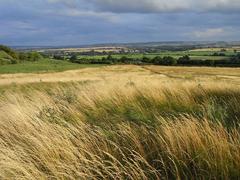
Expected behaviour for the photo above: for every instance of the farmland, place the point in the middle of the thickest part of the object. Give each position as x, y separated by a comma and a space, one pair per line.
56, 60
198, 54
186, 57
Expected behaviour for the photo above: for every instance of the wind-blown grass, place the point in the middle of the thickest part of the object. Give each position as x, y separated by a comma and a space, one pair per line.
120, 131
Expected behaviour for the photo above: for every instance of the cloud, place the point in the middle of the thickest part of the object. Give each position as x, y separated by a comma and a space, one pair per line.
68, 3
140, 6
74, 22
159, 6
152, 6
75, 13
209, 33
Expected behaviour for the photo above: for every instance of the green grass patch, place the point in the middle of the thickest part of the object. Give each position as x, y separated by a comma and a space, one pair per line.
45, 65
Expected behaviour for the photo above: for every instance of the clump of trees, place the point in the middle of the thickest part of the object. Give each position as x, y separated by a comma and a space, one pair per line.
219, 54
15, 57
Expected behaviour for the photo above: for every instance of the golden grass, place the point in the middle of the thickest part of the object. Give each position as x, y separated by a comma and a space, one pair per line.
130, 73
121, 123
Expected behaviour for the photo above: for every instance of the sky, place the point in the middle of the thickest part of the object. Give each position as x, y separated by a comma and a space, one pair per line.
80, 22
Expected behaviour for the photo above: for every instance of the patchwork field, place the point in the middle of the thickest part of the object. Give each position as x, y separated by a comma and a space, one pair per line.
121, 122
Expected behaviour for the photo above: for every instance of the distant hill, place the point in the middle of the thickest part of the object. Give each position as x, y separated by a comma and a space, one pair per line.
138, 45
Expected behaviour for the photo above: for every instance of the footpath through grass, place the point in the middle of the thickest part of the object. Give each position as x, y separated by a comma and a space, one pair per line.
42, 66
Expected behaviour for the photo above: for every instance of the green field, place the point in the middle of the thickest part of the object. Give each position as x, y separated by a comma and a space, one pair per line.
45, 65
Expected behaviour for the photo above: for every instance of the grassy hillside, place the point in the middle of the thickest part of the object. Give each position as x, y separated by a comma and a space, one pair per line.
5, 58
45, 65
123, 122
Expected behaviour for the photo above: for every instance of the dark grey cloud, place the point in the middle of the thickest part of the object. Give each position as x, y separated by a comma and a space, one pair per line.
155, 6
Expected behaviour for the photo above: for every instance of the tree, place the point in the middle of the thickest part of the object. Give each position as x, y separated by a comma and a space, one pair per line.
158, 60
73, 58
238, 56
124, 59
34, 56
168, 60
146, 60
22, 56
110, 59
210, 62
184, 60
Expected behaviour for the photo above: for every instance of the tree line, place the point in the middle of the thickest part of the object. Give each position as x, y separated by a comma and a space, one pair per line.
158, 60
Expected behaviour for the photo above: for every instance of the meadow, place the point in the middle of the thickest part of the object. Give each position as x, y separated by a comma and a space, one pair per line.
121, 122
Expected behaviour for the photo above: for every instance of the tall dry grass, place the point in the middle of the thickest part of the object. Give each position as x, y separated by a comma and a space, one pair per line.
120, 131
